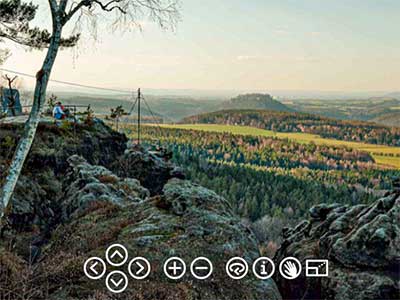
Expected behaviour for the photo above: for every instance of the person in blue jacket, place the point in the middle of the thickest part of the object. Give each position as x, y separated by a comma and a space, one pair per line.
58, 111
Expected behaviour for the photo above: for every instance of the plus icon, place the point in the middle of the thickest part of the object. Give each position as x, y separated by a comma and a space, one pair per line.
174, 268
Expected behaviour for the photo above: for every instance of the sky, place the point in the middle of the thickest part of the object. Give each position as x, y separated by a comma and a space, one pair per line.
257, 45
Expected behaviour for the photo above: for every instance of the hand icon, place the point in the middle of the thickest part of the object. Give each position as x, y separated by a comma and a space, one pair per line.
290, 268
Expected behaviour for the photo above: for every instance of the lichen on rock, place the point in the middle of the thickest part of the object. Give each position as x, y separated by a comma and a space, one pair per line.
362, 244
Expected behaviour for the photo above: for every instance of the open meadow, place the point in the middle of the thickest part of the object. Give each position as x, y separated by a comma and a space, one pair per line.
384, 155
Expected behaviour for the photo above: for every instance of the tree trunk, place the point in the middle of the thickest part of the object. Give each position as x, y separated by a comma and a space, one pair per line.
25, 143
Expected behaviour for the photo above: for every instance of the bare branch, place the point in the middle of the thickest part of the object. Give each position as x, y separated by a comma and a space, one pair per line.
108, 7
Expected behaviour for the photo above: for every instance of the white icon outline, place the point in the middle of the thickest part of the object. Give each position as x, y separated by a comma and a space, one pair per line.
119, 290
244, 263
299, 268
308, 268
166, 268
87, 273
255, 265
142, 259
109, 259
192, 265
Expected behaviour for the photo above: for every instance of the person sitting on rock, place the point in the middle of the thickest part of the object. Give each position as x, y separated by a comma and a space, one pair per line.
58, 111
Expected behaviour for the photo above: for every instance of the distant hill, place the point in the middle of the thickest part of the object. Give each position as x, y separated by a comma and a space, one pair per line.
358, 131
255, 101
389, 119
370, 109
170, 108
394, 95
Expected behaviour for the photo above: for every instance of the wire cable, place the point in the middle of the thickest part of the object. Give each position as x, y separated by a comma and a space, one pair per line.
152, 114
69, 83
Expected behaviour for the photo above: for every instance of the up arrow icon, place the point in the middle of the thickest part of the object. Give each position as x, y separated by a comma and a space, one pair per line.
116, 252
116, 255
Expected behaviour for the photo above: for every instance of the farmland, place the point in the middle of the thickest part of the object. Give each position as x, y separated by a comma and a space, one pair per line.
383, 155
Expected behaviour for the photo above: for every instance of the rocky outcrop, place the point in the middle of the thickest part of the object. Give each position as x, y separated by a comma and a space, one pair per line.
71, 207
185, 220
87, 184
362, 244
36, 198
152, 168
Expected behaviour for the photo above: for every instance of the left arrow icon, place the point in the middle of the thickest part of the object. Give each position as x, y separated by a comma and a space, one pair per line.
94, 268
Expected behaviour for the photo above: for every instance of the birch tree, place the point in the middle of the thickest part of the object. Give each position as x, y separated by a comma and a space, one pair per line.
125, 14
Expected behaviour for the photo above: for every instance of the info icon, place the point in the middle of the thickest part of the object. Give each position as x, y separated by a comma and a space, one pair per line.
263, 268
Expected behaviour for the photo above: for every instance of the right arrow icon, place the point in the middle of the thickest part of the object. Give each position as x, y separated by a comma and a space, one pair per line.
139, 268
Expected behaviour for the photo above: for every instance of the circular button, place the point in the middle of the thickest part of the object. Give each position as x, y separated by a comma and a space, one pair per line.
116, 255
94, 268
263, 268
116, 282
139, 268
236, 268
290, 268
174, 268
201, 268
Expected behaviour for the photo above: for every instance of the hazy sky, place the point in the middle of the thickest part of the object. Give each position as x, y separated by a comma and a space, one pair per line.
326, 45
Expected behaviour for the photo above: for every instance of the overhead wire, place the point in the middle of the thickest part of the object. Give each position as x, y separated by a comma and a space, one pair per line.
69, 83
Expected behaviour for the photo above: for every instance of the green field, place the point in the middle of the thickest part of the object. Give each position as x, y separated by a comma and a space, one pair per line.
379, 152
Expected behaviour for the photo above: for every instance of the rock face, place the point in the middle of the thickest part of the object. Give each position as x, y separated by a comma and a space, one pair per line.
186, 220
152, 169
362, 244
35, 201
145, 207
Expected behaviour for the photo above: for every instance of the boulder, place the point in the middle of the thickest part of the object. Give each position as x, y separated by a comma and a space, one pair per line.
185, 220
87, 184
152, 168
362, 244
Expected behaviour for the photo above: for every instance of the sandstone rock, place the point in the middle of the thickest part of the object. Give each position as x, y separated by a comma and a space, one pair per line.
152, 169
362, 244
87, 183
38, 192
186, 220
